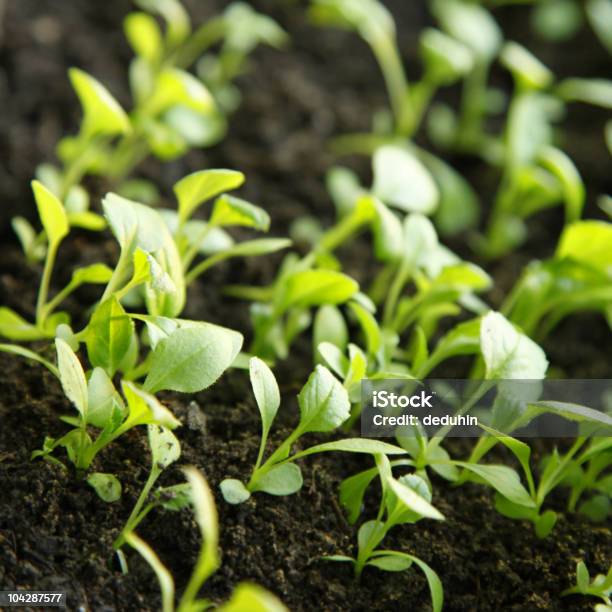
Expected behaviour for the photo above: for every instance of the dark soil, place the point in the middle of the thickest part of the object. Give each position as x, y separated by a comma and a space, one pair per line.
56, 534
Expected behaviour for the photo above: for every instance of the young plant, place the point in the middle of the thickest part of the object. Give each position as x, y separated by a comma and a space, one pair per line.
324, 406
600, 586
56, 223
246, 597
577, 278
165, 450
406, 500
173, 110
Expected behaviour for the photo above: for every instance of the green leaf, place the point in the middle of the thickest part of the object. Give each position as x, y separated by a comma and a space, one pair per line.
192, 358
102, 113
229, 210
369, 326
27, 238
463, 339
144, 36
582, 576
599, 13
329, 326
413, 501
283, 479
545, 523
109, 335
446, 59
388, 235
14, 349
146, 409
528, 71
519, 449
390, 563
87, 220
95, 274
324, 402
255, 248
503, 479
334, 358
208, 521
104, 403
51, 212
459, 206
352, 491
507, 353
233, 491
572, 412
401, 180
463, 277
267, 395
165, 447
318, 287
597, 92
164, 577
134, 225
588, 242
353, 445
107, 486
470, 24
574, 193
528, 128
176, 87
200, 186
17, 328
507, 508
252, 598
72, 377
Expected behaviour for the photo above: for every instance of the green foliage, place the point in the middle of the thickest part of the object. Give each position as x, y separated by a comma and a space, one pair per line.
324, 406
600, 586
405, 500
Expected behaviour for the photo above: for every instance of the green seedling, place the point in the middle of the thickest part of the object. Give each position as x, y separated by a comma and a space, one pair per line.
445, 61
101, 407
165, 450
56, 223
173, 110
576, 279
324, 406
587, 472
600, 586
406, 500
246, 597
185, 356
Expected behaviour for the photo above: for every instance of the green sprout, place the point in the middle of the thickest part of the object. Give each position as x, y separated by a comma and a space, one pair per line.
324, 406
576, 279
600, 586
246, 597
173, 109
405, 500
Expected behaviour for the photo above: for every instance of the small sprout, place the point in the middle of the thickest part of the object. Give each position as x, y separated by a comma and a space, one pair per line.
600, 586
246, 597
406, 500
324, 406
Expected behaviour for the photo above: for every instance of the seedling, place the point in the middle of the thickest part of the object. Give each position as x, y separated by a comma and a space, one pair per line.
165, 450
324, 406
245, 597
406, 500
600, 586
577, 278
173, 110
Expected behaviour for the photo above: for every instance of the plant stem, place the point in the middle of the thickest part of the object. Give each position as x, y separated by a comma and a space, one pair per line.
43, 290
119, 273
134, 518
401, 277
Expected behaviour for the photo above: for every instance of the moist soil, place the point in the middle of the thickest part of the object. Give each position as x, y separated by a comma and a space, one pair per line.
54, 531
